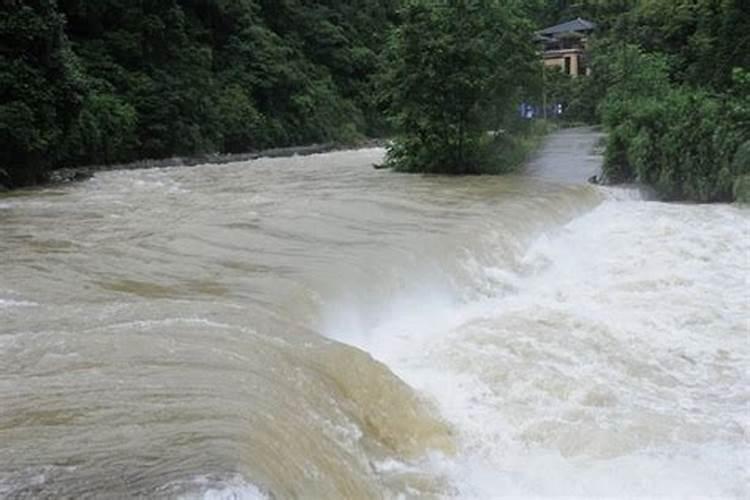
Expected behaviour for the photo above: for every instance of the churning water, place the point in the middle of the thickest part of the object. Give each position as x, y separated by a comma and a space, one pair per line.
310, 327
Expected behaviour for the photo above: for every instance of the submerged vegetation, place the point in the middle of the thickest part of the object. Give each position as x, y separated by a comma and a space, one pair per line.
112, 81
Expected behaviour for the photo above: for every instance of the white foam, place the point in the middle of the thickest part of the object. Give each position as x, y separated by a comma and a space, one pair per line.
234, 488
9, 303
631, 192
615, 362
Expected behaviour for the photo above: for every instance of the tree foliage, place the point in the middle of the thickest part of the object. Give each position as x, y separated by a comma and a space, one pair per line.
101, 81
684, 141
454, 71
41, 89
668, 84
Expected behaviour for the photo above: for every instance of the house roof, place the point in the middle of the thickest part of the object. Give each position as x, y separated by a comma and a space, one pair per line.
575, 25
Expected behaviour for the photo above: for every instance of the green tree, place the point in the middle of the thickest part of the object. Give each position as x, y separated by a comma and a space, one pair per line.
41, 89
703, 39
105, 131
454, 71
234, 75
124, 80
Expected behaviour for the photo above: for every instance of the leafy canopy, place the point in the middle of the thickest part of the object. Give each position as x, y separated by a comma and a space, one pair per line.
103, 81
455, 69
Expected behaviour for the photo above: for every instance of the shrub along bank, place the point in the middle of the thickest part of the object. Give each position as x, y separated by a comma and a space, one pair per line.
686, 142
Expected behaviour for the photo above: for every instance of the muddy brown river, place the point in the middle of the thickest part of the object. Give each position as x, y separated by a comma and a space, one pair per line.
310, 327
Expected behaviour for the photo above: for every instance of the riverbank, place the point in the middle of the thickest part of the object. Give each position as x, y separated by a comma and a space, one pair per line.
520, 149
81, 173
76, 174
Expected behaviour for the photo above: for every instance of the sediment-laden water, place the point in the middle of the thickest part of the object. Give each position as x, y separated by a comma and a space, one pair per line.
313, 328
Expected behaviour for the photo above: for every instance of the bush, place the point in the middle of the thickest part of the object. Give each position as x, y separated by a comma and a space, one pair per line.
510, 150
682, 144
242, 125
104, 133
682, 141
741, 189
741, 165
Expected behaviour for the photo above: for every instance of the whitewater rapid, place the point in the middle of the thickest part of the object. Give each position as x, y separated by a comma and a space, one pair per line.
612, 362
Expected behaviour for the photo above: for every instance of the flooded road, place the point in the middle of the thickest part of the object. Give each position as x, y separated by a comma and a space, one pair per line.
310, 327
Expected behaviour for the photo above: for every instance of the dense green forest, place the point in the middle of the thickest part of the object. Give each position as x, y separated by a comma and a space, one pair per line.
103, 81
109, 81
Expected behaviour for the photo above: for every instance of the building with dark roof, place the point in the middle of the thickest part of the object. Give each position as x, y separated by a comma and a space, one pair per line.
564, 45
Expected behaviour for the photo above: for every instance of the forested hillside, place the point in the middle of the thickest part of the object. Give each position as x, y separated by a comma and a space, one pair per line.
109, 81
102, 81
